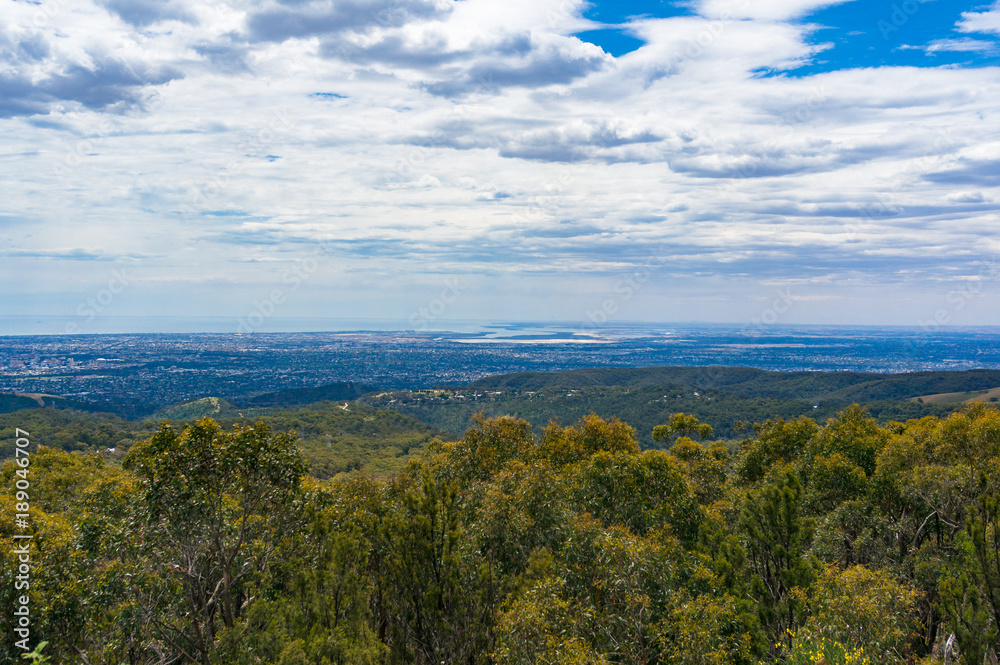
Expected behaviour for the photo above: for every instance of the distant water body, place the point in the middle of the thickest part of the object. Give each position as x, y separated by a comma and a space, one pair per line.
515, 346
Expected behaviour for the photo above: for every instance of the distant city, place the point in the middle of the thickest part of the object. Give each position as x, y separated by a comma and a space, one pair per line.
160, 369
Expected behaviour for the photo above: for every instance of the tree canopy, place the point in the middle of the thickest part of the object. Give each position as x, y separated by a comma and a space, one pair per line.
848, 541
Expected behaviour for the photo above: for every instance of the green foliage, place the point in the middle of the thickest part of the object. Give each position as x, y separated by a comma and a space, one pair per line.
334, 439
215, 503
809, 648
570, 546
489, 445
970, 592
647, 397
832, 480
983, 532
867, 609
36, 656
339, 440
14, 402
777, 539
543, 626
644, 407
80, 510
972, 435
315, 610
565, 445
968, 615
707, 630
523, 509
642, 492
206, 407
11, 402
69, 430
844, 387
853, 435
682, 424
705, 468
855, 532
778, 442
439, 594
600, 600
328, 392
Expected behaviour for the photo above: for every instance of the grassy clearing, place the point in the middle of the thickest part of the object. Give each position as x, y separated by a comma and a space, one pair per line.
988, 396
992, 395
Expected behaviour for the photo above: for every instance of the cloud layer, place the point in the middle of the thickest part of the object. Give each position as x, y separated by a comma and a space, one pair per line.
399, 143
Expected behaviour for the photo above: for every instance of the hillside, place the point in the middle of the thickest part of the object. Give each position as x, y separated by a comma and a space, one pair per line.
71, 430
295, 396
844, 386
334, 439
10, 402
724, 397
212, 407
641, 407
380, 430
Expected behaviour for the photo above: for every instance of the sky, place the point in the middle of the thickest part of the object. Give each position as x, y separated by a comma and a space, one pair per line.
770, 161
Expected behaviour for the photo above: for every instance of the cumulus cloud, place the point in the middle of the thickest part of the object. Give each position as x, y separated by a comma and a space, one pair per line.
968, 197
552, 64
104, 82
410, 138
985, 22
45, 69
288, 19
143, 13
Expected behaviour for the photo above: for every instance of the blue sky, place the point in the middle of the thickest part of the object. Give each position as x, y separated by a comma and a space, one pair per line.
853, 34
542, 159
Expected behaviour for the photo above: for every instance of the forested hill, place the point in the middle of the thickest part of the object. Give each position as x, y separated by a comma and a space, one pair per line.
296, 396
839, 386
642, 408
846, 543
333, 438
724, 397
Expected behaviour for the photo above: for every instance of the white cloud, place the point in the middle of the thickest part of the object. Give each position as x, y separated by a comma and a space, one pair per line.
986, 22
772, 10
479, 138
968, 197
961, 45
